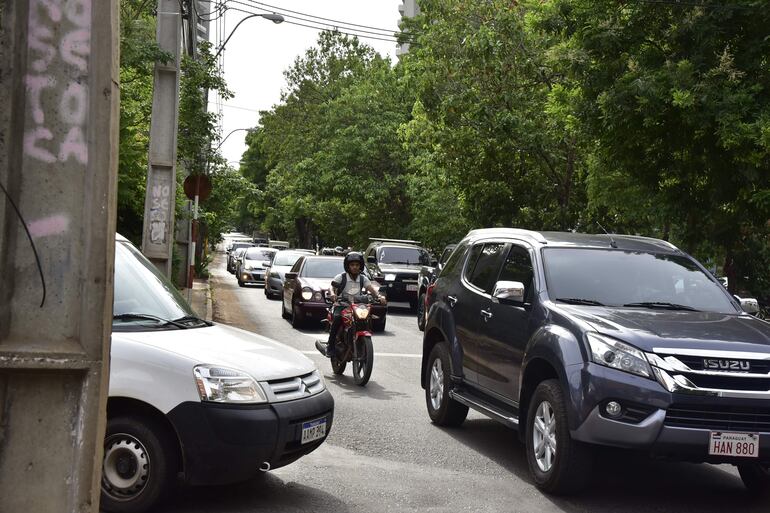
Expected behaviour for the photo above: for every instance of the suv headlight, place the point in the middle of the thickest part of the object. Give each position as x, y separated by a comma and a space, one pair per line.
223, 385
618, 355
307, 293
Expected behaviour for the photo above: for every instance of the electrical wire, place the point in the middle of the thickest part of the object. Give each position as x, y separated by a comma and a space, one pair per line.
350, 32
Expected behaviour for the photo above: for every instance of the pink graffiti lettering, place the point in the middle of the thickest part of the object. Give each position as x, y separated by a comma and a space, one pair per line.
52, 225
53, 8
74, 47
78, 12
33, 150
74, 104
40, 39
35, 86
74, 145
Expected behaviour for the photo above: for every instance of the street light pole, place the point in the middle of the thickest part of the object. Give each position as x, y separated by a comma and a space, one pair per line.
275, 18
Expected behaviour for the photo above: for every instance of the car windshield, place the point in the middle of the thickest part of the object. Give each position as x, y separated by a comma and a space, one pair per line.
400, 255
143, 295
259, 254
631, 279
286, 259
322, 267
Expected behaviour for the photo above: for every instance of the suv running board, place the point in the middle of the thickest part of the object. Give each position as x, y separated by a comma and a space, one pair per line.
482, 406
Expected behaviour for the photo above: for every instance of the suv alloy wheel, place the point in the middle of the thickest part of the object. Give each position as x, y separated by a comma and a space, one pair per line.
443, 410
559, 464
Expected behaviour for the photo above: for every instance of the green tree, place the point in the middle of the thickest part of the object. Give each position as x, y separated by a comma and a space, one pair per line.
677, 100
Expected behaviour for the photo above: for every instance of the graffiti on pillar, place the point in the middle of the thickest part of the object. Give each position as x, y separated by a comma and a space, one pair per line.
160, 201
60, 38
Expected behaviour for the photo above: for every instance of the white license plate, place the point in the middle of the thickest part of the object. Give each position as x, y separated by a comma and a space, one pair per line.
313, 430
411, 288
742, 445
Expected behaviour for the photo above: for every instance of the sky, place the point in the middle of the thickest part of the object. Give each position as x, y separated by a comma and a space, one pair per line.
259, 51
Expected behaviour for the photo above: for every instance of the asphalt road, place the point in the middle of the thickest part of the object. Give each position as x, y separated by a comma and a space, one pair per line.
383, 453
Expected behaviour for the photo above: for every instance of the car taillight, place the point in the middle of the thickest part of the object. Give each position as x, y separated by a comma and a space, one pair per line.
428, 294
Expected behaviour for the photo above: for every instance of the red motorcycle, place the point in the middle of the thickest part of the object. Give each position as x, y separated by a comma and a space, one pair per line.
353, 342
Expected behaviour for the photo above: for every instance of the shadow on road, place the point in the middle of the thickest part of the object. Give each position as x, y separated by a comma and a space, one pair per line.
622, 480
264, 493
372, 390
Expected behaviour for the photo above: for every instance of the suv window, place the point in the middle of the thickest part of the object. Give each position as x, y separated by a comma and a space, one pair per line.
518, 267
487, 266
402, 255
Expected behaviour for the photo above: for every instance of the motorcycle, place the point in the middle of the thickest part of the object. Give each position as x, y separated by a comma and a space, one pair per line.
353, 342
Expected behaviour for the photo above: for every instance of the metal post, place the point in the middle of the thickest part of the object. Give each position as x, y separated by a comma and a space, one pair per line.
58, 171
160, 199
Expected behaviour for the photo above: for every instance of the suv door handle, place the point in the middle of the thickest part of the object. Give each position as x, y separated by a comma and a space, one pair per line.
486, 314
452, 300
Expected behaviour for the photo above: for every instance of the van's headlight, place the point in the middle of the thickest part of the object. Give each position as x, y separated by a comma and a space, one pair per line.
613, 353
307, 293
223, 385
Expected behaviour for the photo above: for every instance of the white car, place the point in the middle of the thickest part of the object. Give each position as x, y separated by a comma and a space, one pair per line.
211, 403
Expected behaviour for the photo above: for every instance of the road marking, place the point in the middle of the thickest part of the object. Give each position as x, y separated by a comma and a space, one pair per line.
401, 355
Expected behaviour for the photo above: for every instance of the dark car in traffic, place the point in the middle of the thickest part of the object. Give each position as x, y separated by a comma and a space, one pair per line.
581, 340
425, 279
232, 250
395, 264
305, 287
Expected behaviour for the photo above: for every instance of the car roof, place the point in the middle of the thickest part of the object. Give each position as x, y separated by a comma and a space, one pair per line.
395, 245
582, 240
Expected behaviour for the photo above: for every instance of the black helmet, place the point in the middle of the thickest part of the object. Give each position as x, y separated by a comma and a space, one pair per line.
353, 256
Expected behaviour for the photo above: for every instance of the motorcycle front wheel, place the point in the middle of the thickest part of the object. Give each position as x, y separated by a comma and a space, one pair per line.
362, 366
338, 366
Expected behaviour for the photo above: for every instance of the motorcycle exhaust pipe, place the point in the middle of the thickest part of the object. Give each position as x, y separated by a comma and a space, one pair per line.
265, 466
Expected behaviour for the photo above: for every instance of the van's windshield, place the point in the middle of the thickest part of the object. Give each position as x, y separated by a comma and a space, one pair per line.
144, 299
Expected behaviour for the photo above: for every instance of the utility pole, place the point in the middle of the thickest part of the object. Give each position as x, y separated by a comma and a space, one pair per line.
160, 198
58, 181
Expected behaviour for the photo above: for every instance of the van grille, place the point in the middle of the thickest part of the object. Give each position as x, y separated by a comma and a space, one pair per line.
295, 388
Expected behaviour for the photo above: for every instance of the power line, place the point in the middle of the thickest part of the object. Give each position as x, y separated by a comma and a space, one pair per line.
320, 26
337, 22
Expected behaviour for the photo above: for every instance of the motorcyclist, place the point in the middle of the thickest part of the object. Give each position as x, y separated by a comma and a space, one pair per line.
354, 284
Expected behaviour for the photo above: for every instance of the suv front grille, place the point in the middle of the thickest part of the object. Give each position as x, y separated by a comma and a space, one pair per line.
723, 418
696, 363
295, 388
737, 376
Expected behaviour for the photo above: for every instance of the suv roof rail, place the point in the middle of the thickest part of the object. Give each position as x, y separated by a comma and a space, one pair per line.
403, 241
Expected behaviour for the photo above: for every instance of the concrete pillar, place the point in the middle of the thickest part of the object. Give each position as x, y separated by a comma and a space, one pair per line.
160, 201
58, 171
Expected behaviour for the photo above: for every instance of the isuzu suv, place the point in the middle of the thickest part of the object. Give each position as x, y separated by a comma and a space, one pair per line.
581, 340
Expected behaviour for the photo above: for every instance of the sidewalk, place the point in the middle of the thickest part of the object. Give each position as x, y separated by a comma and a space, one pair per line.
200, 298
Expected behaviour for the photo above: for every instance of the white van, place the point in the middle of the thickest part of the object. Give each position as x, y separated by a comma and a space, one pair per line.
192, 399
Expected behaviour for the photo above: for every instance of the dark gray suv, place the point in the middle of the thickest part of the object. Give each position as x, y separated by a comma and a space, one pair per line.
581, 340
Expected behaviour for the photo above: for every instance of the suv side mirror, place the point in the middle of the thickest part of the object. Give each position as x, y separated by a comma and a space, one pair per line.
509, 291
291, 276
371, 259
749, 304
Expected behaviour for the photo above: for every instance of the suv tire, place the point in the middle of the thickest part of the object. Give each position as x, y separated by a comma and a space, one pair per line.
421, 312
139, 467
558, 464
442, 409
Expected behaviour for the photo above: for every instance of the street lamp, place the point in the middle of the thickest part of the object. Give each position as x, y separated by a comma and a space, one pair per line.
228, 135
275, 18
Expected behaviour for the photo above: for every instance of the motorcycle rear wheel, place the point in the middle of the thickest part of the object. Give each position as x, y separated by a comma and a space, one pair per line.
362, 366
338, 366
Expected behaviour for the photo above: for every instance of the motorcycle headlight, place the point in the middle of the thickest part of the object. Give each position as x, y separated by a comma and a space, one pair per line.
307, 293
223, 385
618, 355
361, 312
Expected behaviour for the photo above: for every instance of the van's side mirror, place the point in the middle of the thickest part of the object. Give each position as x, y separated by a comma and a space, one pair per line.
371, 259
748, 304
291, 276
509, 292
